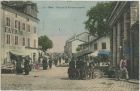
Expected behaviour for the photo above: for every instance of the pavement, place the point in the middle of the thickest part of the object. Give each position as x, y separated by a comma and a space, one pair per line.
56, 79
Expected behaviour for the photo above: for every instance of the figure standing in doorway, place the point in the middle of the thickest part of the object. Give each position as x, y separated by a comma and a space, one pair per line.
123, 67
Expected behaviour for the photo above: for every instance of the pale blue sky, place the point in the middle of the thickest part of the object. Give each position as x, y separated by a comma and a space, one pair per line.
59, 20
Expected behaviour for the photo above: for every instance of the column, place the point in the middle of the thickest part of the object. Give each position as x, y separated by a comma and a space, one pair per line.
126, 42
118, 42
126, 49
114, 46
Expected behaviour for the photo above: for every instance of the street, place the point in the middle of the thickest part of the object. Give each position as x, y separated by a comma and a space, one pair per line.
79, 40
57, 79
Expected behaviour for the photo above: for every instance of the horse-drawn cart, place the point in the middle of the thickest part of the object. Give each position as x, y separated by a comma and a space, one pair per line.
80, 67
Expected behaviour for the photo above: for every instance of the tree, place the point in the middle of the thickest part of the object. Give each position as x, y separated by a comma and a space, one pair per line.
97, 17
78, 49
45, 43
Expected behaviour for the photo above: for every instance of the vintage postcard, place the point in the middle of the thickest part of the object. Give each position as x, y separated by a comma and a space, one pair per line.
69, 45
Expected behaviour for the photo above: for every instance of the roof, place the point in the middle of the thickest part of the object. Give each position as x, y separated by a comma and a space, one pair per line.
92, 40
20, 6
117, 11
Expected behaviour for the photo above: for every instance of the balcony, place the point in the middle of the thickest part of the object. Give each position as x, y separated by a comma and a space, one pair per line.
84, 52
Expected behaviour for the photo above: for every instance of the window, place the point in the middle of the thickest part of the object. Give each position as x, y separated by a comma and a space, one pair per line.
19, 25
23, 26
28, 28
8, 39
103, 45
95, 46
34, 43
28, 42
7, 21
23, 42
16, 40
34, 29
16, 23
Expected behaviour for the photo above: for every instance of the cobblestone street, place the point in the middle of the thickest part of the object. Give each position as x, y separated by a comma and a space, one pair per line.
57, 79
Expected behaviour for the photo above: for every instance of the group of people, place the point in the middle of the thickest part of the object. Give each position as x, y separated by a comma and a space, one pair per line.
45, 62
78, 69
56, 60
24, 64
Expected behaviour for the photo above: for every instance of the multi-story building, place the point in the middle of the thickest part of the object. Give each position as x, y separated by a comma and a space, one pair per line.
124, 22
18, 29
71, 46
96, 46
100, 44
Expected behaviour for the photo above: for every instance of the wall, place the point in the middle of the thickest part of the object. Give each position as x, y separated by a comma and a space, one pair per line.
0, 32
75, 45
99, 44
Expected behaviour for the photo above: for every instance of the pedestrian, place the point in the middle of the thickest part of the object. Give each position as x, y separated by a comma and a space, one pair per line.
78, 66
26, 65
37, 66
18, 65
72, 70
55, 61
50, 63
45, 63
91, 70
123, 67
31, 65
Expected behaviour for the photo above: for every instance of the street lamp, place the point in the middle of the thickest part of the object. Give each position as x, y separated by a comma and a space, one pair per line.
120, 47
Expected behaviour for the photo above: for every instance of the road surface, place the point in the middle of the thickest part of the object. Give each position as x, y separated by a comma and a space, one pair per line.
57, 79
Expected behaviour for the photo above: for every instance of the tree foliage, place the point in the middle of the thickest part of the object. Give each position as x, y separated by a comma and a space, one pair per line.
97, 18
45, 42
78, 49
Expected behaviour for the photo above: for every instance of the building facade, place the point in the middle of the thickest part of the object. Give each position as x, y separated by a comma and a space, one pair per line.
124, 22
94, 46
18, 29
71, 46
100, 44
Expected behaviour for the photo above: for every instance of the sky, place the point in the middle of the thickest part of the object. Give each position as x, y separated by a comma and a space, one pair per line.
60, 20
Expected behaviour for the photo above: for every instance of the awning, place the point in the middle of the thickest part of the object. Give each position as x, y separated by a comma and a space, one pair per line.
18, 52
104, 53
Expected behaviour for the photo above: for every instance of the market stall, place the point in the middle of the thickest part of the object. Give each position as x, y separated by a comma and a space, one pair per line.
15, 64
